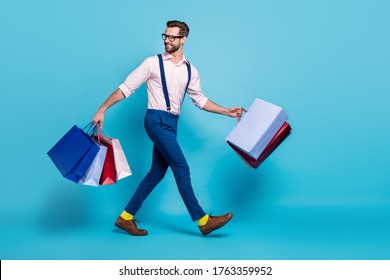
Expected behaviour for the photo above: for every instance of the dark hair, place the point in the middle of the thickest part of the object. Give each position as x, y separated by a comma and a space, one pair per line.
184, 29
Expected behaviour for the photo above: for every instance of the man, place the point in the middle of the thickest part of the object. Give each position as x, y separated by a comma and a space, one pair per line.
168, 77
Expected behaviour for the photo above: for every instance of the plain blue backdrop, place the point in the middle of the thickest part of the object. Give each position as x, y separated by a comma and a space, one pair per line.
323, 194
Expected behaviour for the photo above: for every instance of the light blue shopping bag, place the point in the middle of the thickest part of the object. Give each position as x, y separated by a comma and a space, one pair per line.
92, 176
257, 127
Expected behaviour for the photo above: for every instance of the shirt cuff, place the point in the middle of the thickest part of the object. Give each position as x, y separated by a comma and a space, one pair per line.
125, 89
202, 102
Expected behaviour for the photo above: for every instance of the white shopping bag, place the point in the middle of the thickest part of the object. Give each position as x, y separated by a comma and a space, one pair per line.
121, 164
257, 127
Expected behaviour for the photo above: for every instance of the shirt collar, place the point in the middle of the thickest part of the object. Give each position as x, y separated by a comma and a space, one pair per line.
167, 56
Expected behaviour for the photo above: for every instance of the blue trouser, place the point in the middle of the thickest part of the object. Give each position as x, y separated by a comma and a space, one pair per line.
161, 128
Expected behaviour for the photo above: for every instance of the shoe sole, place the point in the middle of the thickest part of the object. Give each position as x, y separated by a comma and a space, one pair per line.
221, 225
119, 226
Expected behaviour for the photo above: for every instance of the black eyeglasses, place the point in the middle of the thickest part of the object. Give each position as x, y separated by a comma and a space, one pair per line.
171, 38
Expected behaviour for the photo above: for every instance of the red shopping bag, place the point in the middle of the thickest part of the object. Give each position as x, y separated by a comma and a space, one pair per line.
282, 133
109, 172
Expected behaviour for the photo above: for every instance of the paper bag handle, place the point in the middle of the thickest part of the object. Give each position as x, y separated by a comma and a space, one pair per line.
239, 118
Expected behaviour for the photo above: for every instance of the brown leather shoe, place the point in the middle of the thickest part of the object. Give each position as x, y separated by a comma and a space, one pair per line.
130, 227
215, 222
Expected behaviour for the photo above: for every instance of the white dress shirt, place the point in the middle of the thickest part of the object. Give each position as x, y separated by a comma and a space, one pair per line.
176, 77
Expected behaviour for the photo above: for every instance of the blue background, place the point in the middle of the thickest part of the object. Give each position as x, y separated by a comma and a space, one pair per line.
323, 194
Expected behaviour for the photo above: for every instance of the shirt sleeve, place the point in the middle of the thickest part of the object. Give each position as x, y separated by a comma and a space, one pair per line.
195, 90
136, 78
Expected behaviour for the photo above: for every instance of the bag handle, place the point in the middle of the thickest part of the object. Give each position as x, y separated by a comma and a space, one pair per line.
239, 118
88, 126
100, 132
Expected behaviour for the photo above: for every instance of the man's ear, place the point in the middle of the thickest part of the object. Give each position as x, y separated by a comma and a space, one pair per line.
183, 40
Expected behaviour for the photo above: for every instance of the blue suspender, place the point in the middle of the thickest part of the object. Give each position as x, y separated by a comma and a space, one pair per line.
164, 82
189, 77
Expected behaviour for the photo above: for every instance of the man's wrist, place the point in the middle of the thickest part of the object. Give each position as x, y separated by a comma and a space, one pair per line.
225, 111
102, 109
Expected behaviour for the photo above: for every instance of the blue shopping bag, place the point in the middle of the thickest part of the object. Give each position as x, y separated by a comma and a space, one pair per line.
74, 153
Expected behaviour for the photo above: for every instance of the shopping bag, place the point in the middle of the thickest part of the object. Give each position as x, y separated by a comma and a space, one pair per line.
73, 154
257, 127
283, 132
108, 175
94, 172
121, 165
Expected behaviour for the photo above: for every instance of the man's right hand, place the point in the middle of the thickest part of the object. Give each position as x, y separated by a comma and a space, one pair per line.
98, 118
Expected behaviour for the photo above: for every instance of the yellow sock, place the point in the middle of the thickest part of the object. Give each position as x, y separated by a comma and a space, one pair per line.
202, 221
126, 216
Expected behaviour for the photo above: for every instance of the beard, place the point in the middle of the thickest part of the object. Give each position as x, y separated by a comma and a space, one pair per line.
170, 48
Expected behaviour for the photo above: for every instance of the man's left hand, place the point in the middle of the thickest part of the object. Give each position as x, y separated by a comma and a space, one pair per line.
235, 112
